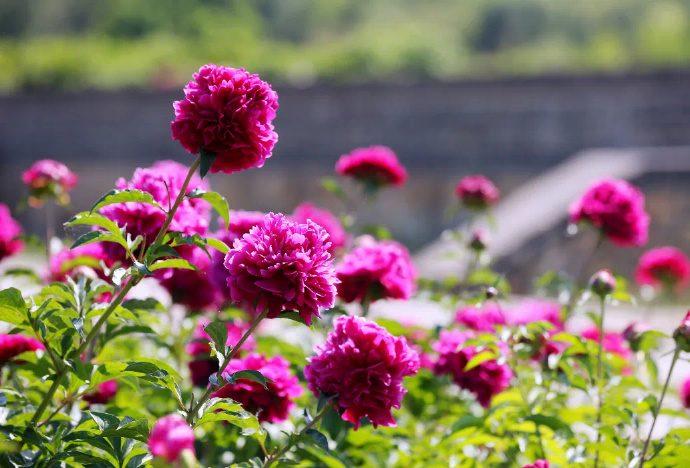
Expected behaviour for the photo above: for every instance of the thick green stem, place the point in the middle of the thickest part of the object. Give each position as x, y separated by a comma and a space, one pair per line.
366, 303
600, 376
49, 396
658, 408
195, 409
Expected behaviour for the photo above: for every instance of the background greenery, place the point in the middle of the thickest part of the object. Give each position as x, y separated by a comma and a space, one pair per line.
106, 44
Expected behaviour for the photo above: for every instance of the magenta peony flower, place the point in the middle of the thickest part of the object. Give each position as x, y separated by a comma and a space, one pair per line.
324, 218
84, 260
49, 178
484, 319
666, 266
536, 310
202, 366
103, 394
10, 229
194, 289
485, 380
365, 365
685, 393
376, 166
273, 404
280, 265
617, 209
538, 464
614, 343
12, 346
170, 436
228, 112
381, 270
477, 192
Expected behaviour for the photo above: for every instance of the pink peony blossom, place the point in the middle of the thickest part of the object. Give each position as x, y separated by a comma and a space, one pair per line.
12, 346
477, 192
84, 260
538, 464
377, 269
481, 319
324, 218
365, 365
487, 379
667, 266
616, 208
536, 310
280, 265
194, 289
273, 404
49, 178
685, 393
10, 229
228, 112
103, 393
614, 343
170, 436
377, 166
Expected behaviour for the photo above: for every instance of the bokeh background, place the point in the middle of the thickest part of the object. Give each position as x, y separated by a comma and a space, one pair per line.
540, 95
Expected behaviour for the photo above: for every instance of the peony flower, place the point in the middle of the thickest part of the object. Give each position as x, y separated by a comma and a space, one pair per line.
228, 112
685, 393
83, 260
202, 366
324, 218
365, 365
12, 346
376, 166
194, 289
163, 181
282, 266
487, 379
103, 393
536, 310
481, 319
10, 229
378, 270
614, 343
477, 192
616, 208
538, 464
49, 178
170, 436
666, 266
273, 404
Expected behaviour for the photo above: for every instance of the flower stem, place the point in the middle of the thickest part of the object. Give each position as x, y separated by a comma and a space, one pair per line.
49, 396
658, 407
273, 458
600, 376
226, 361
366, 303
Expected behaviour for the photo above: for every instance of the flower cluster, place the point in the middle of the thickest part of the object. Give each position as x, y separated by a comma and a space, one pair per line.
170, 436
10, 230
664, 266
86, 260
12, 346
481, 319
48, 178
324, 218
477, 192
375, 166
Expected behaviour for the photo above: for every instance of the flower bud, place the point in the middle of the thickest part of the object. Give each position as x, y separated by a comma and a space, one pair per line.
170, 436
490, 292
633, 332
479, 241
682, 334
602, 283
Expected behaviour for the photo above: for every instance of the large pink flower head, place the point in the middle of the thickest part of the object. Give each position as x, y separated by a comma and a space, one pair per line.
170, 436
103, 393
614, 343
538, 464
365, 365
163, 181
377, 270
685, 393
485, 380
83, 260
616, 208
667, 266
193, 289
10, 229
12, 346
49, 178
477, 192
228, 112
282, 266
376, 166
482, 319
536, 310
324, 218
273, 404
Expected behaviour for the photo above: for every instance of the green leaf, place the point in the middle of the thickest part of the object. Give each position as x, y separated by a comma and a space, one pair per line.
467, 421
486, 355
138, 430
93, 219
216, 200
323, 399
256, 376
320, 439
104, 420
555, 424
12, 306
124, 196
100, 236
292, 315
173, 263
207, 158
218, 332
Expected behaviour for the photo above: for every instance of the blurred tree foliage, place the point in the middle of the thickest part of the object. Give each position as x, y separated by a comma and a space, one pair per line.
76, 44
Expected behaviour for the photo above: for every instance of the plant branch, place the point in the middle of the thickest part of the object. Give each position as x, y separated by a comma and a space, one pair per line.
600, 371
49, 396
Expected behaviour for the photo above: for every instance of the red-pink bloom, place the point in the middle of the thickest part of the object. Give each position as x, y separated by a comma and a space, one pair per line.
375, 165
10, 229
536, 310
103, 393
482, 319
667, 266
202, 365
324, 218
83, 260
170, 436
228, 112
538, 464
477, 192
49, 178
616, 208
12, 346
487, 379
685, 393
194, 289
377, 269
273, 404
281, 265
365, 365
613, 342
